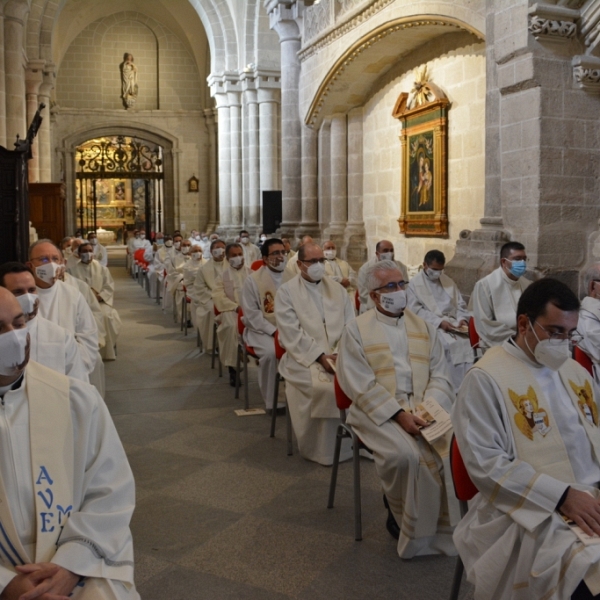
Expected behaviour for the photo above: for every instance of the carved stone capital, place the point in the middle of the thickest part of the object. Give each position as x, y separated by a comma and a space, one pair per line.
284, 16
552, 23
586, 73
222, 84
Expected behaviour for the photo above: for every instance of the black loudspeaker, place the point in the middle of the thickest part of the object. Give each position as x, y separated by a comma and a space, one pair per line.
271, 211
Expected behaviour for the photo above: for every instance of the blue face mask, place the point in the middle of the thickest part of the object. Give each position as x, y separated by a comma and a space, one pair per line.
160, 242
517, 267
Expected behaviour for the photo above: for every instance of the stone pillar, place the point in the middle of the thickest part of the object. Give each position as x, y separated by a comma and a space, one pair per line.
252, 216
33, 80
224, 162
45, 145
355, 236
283, 16
310, 205
235, 133
213, 219
339, 179
2, 82
15, 12
268, 117
324, 168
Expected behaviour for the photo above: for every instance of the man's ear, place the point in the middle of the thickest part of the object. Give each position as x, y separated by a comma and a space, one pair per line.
373, 296
522, 321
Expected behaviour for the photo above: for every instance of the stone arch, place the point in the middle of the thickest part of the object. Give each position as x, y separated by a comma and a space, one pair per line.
155, 135
348, 82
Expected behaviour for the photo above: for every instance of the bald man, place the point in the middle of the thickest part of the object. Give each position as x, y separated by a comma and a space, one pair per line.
292, 269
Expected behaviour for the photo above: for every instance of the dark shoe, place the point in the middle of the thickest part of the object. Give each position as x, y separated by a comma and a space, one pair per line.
391, 524
232, 377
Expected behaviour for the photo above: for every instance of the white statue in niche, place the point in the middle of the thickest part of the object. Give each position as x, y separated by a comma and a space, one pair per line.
129, 86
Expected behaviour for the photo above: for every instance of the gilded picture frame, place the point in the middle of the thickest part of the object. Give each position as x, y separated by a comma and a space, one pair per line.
424, 168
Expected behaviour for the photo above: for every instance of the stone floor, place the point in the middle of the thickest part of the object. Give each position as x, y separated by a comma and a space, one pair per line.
222, 511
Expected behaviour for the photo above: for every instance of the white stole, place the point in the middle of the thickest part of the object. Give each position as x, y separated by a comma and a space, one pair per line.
505, 304
424, 293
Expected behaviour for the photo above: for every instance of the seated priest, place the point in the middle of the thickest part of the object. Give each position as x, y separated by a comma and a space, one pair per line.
495, 297
100, 280
174, 264
204, 284
66, 490
384, 250
390, 360
156, 256
292, 268
51, 345
251, 251
339, 270
289, 253
526, 422
311, 312
434, 297
190, 270
258, 303
100, 252
589, 319
226, 297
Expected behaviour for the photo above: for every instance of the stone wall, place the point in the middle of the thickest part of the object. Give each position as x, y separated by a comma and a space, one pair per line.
461, 74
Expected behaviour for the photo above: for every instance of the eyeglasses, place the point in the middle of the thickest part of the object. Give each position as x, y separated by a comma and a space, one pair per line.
556, 337
392, 286
277, 253
313, 261
46, 259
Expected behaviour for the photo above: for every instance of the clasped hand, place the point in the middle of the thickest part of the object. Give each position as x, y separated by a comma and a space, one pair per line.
45, 581
410, 423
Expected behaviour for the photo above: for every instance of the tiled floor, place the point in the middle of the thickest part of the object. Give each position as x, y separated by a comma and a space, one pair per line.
222, 511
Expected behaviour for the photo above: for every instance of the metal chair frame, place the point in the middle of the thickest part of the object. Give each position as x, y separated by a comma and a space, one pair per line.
215, 344
279, 352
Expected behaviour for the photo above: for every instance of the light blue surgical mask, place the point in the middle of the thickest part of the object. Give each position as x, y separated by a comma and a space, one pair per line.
517, 267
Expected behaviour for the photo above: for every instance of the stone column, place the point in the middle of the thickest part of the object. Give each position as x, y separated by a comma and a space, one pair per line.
283, 15
339, 180
310, 205
45, 145
2, 82
235, 133
268, 117
355, 236
33, 80
252, 217
325, 173
213, 220
15, 12
224, 162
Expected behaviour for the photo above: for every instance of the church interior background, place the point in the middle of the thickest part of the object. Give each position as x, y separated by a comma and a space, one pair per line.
247, 96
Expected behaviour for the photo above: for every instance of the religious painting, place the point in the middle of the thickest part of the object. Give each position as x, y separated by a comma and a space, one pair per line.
423, 115
193, 184
120, 190
102, 192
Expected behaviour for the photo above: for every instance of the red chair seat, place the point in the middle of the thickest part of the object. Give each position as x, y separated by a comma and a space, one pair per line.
584, 360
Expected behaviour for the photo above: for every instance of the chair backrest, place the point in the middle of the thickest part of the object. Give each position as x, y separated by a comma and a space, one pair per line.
257, 264
341, 399
357, 301
279, 349
240, 320
473, 335
139, 255
217, 312
584, 360
464, 488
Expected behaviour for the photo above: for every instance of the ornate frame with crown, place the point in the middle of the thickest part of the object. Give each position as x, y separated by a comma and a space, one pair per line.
423, 114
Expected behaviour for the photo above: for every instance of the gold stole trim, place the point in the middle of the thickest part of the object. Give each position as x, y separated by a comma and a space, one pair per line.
267, 292
537, 439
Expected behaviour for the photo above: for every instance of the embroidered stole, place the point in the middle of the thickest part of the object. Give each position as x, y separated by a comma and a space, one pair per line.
232, 283
52, 455
266, 291
425, 295
536, 435
341, 265
505, 304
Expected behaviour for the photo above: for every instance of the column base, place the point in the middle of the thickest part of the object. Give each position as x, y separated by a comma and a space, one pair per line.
311, 228
355, 245
288, 230
335, 232
477, 254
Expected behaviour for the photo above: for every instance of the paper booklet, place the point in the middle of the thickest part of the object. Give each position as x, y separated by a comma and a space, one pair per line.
438, 419
587, 540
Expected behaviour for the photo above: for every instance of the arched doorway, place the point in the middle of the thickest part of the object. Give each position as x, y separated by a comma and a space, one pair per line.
119, 186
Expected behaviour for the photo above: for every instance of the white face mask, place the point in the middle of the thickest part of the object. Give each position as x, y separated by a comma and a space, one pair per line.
263, 238
93, 242
185, 250
278, 267
393, 302
142, 236
196, 255
218, 252
244, 240
329, 254
169, 244
86, 257
197, 237
205, 238
550, 354
48, 272
433, 274
386, 256
316, 271
68, 251
236, 261
29, 304
177, 245
14, 351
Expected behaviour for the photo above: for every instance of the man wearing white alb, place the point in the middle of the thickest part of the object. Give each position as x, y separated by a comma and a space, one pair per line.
66, 489
258, 304
311, 312
390, 360
251, 252
61, 303
526, 422
589, 319
434, 297
384, 250
495, 297
51, 345
100, 252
